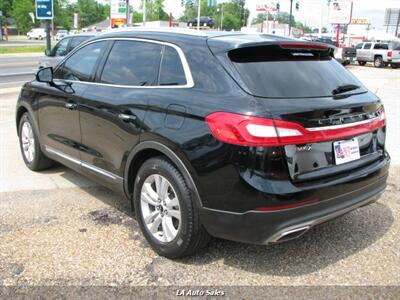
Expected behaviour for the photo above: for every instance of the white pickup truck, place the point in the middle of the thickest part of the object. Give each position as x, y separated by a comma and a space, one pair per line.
381, 54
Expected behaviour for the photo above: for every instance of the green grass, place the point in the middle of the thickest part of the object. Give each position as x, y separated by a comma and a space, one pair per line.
21, 49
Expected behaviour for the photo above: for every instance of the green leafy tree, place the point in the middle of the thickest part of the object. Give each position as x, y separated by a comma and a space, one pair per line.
90, 12
20, 13
234, 13
155, 11
63, 14
6, 9
137, 17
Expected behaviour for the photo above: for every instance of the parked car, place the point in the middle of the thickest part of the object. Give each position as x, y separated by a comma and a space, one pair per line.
378, 53
251, 138
394, 53
62, 48
61, 34
327, 40
349, 55
36, 33
204, 21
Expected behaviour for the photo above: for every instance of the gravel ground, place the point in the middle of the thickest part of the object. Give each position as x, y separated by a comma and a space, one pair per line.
58, 228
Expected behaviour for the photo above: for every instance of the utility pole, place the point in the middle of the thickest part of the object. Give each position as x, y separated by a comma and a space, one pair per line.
222, 13
127, 12
144, 13
48, 41
322, 19
290, 17
198, 14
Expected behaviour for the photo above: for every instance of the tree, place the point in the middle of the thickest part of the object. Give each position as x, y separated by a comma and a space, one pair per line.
158, 11
90, 12
6, 9
137, 17
63, 14
20, 13
234, 13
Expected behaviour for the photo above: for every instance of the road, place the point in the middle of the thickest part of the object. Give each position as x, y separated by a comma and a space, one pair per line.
17, 69
60, 228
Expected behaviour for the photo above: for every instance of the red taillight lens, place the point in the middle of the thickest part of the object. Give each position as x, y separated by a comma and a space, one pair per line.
255, 131
389, 53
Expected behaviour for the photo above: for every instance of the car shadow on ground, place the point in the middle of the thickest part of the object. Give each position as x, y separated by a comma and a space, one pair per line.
320, 247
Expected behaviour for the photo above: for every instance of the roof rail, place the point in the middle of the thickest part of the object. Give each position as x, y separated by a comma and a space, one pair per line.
158, 29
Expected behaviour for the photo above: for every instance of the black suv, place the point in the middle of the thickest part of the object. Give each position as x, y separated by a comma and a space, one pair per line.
252, 138
204, 21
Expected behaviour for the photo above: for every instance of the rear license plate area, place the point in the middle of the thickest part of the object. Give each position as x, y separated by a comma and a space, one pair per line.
346, 151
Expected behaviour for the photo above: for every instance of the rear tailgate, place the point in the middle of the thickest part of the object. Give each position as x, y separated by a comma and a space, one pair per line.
341, 125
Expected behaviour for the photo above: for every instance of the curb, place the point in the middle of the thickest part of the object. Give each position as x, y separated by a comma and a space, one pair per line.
11, 90
17, 74
21, 54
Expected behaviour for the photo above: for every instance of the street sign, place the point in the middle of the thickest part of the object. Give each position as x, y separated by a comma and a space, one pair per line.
266, 6
118, 13
340, 11
360, 21
44, 9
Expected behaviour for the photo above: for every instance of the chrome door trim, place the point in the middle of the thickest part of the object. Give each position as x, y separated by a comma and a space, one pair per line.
333, 127
185, 65
83, 164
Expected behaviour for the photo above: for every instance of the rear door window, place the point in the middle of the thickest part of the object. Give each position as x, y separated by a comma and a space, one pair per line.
76, 41
381, 46
132, 63
270, 71
367, 46
171, 72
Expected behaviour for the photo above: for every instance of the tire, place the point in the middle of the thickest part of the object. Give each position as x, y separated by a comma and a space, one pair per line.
36, 159
378, 62
394, 66
187, 234
361, 63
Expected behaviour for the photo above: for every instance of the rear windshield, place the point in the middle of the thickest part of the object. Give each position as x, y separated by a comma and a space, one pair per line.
270, 71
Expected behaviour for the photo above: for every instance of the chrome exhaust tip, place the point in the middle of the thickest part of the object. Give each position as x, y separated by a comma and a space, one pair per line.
290, 234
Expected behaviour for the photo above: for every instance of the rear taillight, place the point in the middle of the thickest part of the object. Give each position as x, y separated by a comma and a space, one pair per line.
389, 53
255, 131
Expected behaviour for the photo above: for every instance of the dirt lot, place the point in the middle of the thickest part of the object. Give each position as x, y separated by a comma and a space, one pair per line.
59, 228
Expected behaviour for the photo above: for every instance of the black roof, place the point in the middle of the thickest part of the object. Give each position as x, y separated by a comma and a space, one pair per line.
219, 40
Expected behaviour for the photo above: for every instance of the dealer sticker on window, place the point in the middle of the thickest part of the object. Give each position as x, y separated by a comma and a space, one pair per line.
346, 151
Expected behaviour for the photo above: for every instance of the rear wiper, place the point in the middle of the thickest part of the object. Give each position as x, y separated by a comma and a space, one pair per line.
345, 88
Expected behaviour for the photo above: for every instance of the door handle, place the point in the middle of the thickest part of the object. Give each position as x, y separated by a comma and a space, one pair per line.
127, 118
71, 105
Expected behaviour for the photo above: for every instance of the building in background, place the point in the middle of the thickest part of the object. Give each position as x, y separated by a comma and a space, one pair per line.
392, 21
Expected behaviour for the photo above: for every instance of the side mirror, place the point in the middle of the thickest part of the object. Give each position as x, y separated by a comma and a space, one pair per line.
45, 75
47, 52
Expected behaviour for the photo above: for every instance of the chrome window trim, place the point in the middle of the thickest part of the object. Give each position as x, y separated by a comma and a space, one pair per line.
183, 31
83, 164
185, 65
342, 125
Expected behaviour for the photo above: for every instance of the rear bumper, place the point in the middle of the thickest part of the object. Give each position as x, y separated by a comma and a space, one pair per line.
275, 226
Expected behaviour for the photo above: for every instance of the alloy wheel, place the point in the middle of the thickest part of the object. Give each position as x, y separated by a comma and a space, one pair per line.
28, 142
160, 208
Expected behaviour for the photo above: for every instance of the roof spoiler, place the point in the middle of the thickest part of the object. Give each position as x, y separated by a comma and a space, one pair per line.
304, 45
